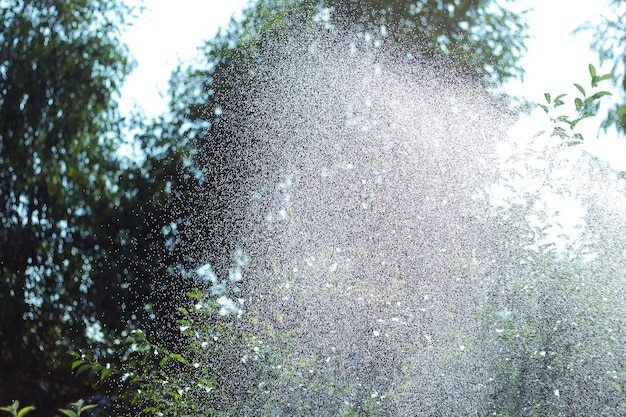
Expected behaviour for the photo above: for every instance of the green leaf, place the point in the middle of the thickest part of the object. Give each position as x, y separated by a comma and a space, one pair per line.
83, 368
592, 71
178, 357
14, 406
139, 333
143, 347
581, 89
600, 94
105, 374
545, 108
77, 363
547, 96
605, 77
88, 407
557, 100
25, 410
578, 103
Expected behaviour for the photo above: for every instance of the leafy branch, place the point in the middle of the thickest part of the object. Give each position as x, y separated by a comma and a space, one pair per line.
15, 411
586, 105
158, 379
79, 406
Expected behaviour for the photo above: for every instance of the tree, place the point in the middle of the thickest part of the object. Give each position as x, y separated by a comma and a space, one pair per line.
86, 238
330, 232
57, 152
551, 319
249, 95
608, 38
480, 38
483, 37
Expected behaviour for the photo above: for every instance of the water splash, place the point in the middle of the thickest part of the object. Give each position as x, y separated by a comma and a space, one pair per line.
410, 251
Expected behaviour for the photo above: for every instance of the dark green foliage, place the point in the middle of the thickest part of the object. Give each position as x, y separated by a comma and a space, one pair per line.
60, 64
86, 240
483, 37
89, 239
77, 408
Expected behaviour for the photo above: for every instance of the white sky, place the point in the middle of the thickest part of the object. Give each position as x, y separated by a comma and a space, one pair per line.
171, 31
166, 33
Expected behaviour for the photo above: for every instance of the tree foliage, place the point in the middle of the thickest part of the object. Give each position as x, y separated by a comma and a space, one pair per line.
86, 237
91, 244
608, 40
486, 38
530, 341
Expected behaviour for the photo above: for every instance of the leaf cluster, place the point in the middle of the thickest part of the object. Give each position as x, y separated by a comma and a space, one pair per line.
77, 408
608, 38
585, 106
81, 227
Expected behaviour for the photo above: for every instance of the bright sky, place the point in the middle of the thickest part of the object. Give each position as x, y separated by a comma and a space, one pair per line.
171, 31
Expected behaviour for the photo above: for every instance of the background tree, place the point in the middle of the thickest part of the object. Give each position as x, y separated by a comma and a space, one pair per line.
608, 40
86, 243
485, 38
